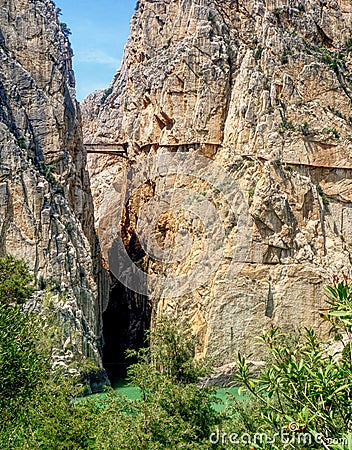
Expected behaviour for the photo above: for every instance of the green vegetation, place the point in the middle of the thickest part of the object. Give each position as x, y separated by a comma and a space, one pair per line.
306, 387
324, 198
332, 131
65, 29
277, 13
284, 58
173, 411
331, 59
20, 361
37, 410
304, 391
277, 163
336, 61
211, 17
15, 281
288, 167
21, 140
50, 284
258, 53
106, 94
288, 125
301, 7
305, 129
48, 170
336, 112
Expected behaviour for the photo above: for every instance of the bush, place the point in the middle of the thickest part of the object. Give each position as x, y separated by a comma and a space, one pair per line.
106, 94
305, 387
22, 364
36, 407
15, 281
173, 412
258, 53
65, 29
304, 383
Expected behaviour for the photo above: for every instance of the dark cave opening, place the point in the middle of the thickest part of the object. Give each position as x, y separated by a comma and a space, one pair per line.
125, 321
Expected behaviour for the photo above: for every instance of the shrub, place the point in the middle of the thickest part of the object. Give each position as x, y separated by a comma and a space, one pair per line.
301, 7
65, 29
15, 281
284, 59
258, 53
305, 129
173, 411
47, 171
305, 388
211, 17
277, 13
21, 362
22, 142
332, 131
106, 94
36, 407
324, 198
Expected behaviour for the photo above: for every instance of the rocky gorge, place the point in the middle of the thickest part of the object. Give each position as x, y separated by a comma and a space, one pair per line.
260, 88
46, 212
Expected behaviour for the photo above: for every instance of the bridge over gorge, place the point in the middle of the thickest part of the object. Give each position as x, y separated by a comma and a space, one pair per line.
108, 149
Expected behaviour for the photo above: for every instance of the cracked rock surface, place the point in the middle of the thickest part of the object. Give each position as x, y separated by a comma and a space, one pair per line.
264, 88
46, 208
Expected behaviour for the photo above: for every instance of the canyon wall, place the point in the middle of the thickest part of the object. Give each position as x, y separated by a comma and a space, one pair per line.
46, 208
262, 88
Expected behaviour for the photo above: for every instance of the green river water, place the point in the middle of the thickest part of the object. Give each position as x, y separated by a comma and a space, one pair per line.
133, 393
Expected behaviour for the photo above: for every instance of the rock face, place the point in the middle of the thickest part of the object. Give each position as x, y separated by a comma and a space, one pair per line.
263, 88
46, 208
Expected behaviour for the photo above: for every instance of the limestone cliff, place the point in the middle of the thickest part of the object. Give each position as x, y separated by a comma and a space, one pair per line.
46, 209
264, 88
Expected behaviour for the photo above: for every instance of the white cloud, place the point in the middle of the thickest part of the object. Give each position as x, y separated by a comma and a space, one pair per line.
97, 56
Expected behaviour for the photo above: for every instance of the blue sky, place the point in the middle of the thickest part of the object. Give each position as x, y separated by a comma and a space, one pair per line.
100, 29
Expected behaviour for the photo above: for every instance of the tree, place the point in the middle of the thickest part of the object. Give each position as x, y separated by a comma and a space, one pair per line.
36, 407
174, 411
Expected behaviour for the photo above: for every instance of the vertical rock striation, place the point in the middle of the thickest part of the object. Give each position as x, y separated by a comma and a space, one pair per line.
264, 88
46, 208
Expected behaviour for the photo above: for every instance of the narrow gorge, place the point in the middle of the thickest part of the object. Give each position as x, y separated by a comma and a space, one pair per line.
46, 212
262, 90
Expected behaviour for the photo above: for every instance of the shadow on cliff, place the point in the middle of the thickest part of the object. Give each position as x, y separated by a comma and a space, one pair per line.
125, 320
